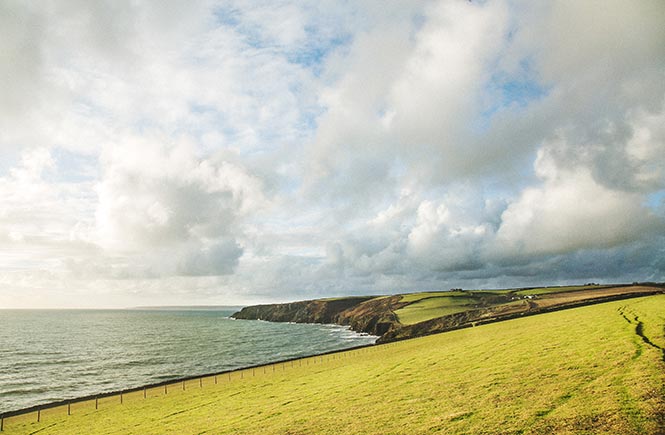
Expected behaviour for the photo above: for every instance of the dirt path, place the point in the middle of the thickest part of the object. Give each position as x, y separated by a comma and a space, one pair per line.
639, 331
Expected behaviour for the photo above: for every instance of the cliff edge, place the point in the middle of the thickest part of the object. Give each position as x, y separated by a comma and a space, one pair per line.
365, 314
399, 317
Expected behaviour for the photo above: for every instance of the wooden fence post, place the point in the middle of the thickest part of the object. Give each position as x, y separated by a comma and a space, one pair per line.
229, 376
69, 408
144, 392
215, 379
96, 402
121, 397
166, 391
39, 415
2, 422
200, 382
183, 385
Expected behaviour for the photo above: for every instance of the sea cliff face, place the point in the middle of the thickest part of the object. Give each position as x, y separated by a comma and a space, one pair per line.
380, 315
369, 314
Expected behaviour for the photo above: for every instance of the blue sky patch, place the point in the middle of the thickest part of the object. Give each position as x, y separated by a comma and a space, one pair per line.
656, 200
71, 167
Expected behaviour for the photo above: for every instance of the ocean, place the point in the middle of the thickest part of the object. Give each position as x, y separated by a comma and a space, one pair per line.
51, 355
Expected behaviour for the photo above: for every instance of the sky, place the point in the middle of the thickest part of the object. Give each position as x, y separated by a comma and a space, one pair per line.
238, 152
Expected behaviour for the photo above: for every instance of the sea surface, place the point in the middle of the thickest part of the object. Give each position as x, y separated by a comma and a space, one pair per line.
50, 355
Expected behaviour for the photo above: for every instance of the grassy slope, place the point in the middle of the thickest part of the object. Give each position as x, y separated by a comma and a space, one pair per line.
414, 297
431, 305
546, 290
582, 370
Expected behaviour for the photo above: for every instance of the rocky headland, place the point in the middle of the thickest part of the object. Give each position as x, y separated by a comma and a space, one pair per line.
376, 315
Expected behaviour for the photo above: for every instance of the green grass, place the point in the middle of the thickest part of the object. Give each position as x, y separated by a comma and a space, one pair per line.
582, 370
545, 290
414, 297
341, 298
433, 307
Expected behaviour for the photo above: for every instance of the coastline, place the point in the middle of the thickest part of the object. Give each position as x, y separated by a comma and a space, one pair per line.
175, 381
55, 357
379, 340
377, 315
386, 378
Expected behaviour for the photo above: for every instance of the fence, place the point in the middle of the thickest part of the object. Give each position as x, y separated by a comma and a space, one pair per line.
40, 413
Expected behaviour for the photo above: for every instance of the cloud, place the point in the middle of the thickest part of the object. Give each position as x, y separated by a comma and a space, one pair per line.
438, 90
449, 238
158, 198
645, 150
571, 211
251, 151
603, 67
403, 107
42, 221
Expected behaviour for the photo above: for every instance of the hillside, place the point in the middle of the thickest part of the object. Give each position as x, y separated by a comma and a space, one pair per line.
411, 315
593, 369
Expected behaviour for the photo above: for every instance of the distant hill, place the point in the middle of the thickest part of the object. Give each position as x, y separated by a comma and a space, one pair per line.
410, 315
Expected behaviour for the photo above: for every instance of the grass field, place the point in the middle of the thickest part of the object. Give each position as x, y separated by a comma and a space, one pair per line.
433, 307
547, 290
414, 297
583, 370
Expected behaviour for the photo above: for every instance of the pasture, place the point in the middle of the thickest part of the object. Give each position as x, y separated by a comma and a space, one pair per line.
593, 369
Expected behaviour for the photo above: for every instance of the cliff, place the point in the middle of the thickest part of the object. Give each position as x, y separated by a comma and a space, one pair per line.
439, 311
369, 314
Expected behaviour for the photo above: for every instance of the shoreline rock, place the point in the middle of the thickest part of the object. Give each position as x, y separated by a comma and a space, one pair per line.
375, 315
364, 314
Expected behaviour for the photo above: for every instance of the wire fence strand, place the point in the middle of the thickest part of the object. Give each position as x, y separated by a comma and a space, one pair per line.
96, 402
